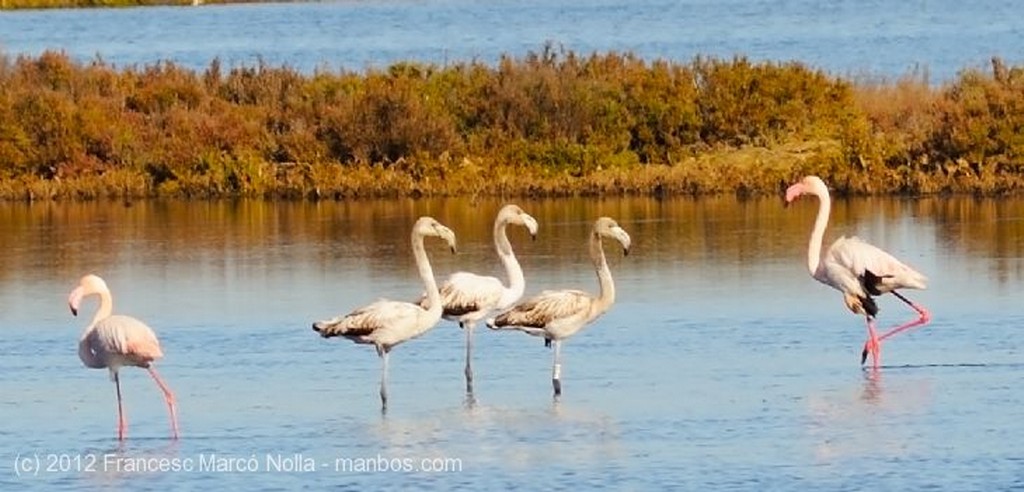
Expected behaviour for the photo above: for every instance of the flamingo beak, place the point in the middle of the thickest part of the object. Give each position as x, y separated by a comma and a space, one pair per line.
794, 192
624, 239
449, 236
863, 356
75, 299
531, 225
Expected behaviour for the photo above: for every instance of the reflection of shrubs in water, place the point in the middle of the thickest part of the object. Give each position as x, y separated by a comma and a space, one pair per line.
550, 123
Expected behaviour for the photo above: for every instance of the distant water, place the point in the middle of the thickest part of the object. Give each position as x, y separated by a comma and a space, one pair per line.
878, 37
722, 365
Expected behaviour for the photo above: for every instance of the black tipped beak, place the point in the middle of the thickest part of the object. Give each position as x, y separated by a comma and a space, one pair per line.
74, 312
533, 237
316, 328
863, 356
453, 250
625, 252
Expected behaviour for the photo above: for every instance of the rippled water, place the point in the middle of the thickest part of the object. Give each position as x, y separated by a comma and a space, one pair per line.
882, 37
722, 364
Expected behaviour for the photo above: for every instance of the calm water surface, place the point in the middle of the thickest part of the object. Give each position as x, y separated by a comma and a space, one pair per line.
881, 37
722, 365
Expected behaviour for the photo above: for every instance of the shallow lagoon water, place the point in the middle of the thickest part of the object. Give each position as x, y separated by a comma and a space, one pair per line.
722, 365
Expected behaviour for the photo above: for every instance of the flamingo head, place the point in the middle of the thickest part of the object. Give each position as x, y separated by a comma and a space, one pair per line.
428, 226
809, 185
607, 227
526, 220
88, 285
512, 214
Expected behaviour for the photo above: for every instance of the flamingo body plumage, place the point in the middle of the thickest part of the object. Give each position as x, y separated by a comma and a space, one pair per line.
553, 314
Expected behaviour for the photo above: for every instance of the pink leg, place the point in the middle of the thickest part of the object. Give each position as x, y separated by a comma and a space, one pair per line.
169, 398
121, 425
923, 318
872, 346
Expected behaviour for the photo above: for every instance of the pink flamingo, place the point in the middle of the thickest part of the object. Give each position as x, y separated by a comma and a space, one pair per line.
115, 341
858, 270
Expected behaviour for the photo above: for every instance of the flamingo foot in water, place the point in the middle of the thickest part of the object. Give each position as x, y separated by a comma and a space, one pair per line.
872, 346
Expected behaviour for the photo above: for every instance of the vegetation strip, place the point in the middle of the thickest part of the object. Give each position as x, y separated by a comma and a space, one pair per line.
551, 123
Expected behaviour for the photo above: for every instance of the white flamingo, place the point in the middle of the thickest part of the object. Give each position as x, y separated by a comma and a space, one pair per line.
384, 323
858, 270
113, 341
468, 297
559, 314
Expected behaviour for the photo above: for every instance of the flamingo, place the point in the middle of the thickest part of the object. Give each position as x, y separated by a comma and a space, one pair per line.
559, 314
113, 341
468, 297
385, 324
858, 270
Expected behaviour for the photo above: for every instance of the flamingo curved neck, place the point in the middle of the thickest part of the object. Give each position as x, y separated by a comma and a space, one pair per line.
85, 352
606, 297
818, 233
516, 281
105, 310
427, 275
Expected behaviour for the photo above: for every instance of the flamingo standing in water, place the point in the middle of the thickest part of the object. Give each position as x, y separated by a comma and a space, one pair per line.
468, 297
559, 314
858, 270
113, 341
385, 324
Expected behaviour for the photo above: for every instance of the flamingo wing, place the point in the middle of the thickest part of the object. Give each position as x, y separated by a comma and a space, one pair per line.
546, 308
370, 319
127, 338
860, 268
465, 293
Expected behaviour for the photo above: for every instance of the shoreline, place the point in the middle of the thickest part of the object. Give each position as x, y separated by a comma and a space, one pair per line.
695, 178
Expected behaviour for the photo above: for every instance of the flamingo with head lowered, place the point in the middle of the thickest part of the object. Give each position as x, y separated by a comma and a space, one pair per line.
858, 270
113, 341
468, 297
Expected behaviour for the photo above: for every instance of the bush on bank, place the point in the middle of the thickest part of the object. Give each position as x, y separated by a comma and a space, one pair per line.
549, 123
